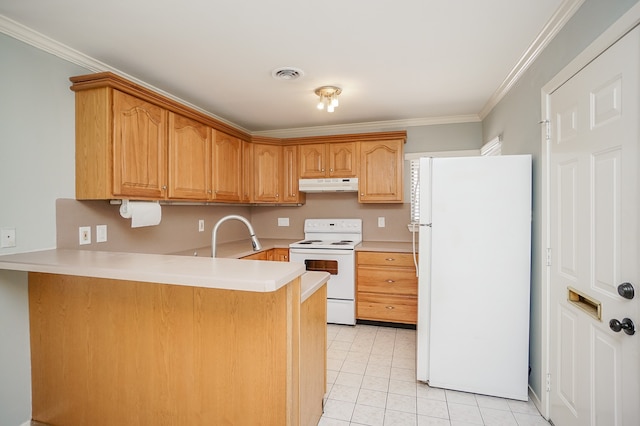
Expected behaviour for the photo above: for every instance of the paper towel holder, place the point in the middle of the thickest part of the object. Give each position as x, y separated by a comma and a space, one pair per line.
124, 209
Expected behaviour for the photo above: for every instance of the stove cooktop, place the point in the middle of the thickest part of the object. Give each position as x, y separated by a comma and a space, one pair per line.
342, 234
336, 244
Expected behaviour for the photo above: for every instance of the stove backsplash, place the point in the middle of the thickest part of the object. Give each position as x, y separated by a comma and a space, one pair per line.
338, 206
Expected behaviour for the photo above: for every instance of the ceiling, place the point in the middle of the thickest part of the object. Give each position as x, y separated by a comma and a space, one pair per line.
406, 61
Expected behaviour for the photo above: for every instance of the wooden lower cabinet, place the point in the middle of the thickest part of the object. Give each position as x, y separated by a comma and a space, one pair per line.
274, 254
261, 255
387, 287
280, 254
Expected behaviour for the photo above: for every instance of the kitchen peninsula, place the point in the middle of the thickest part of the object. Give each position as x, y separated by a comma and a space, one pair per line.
137, 339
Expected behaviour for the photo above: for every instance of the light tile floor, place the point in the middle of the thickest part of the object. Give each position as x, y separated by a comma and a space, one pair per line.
371, 381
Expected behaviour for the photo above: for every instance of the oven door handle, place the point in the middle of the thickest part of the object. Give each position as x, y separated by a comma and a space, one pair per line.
333, 252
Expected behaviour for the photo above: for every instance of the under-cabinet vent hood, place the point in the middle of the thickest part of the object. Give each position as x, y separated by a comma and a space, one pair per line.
329, 185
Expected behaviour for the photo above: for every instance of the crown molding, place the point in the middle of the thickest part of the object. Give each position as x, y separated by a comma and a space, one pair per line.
62, 51
373, 126
564, 12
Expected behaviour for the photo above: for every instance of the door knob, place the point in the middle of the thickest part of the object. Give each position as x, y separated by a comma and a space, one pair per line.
626, 325
626, 290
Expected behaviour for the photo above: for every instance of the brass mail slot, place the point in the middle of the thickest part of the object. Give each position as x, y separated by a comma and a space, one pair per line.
586, 303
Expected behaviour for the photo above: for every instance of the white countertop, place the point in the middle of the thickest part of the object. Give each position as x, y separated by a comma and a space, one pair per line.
195, 271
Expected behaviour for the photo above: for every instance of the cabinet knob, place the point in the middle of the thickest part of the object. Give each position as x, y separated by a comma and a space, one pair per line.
164, 187
390, 259
390, 307
390, 281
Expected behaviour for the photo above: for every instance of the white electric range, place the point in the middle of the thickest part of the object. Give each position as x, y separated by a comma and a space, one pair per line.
329, 245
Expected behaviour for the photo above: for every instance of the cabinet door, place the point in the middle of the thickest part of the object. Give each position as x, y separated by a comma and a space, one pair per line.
280, 254
247, 172
189, 158
290, 193
139, 148
381, 172
312, 161
227, 168
266, 183
343, 159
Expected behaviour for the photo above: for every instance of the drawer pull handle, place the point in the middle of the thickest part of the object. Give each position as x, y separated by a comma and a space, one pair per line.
391, 281
390, 259
390, 307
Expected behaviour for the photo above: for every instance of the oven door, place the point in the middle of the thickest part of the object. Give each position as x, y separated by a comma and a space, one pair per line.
339, 263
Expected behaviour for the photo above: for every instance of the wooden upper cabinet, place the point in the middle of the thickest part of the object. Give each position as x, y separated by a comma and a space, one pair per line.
247, 172
139, 148
227, 168
290, 193
329, 160
312, 161
266, 173
381, 171
189, 158
343, 159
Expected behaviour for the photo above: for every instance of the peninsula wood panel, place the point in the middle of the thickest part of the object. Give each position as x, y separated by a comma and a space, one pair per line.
110, 352
313, 356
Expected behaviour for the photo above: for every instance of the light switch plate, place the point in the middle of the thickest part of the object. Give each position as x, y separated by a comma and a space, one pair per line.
101, 233
381, 223
283, 221
7, 237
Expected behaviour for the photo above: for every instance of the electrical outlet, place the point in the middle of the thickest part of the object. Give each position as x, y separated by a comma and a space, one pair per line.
101, 233
201, 225
7, 237
381, 223
283, 221
85, 235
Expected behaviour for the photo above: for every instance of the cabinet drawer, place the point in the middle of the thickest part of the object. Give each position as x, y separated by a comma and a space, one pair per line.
379, 258
375, 307
387, 280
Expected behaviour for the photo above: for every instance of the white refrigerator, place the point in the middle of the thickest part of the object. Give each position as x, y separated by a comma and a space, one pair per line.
474, 274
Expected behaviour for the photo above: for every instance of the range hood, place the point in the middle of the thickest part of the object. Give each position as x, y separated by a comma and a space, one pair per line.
328, 185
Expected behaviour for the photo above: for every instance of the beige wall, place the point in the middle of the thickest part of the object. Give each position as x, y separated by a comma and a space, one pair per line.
338, 206
178, 229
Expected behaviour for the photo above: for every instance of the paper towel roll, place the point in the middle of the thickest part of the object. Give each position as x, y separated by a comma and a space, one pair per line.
141, 213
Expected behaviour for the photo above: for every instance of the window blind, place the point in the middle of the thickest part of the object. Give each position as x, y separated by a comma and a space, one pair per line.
415, 190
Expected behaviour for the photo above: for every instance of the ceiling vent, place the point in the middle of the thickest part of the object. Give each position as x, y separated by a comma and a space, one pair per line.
287, 73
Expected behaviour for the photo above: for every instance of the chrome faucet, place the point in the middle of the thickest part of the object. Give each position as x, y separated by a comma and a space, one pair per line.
214, 233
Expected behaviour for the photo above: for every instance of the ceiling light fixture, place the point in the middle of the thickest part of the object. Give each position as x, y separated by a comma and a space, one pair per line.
328, 97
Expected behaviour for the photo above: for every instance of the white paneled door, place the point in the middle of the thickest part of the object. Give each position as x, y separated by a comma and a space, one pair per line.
594, 194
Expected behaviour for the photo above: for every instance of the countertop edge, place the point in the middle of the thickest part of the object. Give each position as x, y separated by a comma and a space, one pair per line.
311, 281
224, 274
